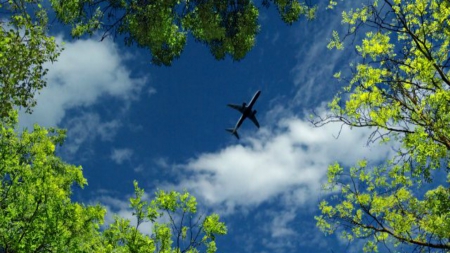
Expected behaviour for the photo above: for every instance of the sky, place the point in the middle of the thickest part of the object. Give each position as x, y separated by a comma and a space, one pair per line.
165, 127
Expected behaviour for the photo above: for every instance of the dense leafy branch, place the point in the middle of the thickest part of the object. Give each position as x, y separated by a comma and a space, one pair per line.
399, 87
38, 215
227, 27
173, 206
380, 202
24, 48
35, 185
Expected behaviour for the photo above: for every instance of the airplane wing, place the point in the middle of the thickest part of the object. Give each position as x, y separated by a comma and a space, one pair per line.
240, 108
255, 97
254, 120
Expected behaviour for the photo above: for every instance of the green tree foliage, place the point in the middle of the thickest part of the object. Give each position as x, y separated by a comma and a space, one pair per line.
399, 87
24, 48
37, 214
182, 230
227, 27
162, 26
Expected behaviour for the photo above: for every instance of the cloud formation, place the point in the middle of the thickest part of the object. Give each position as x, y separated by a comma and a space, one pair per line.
316, 64
86, 71
121, 155
88, 127
287, 163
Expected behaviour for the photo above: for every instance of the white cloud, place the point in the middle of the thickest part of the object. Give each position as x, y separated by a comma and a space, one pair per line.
151, 91
86, 127
277, 173
290, 228
139, 168
162, 162
289, 161
121, 155
279, 227
313, 73
85, 71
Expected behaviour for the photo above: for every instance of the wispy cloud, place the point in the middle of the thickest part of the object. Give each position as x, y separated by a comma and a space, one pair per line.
88, 127
86, 71
121, 155
313, 73
151, 91
162, 162
279, 226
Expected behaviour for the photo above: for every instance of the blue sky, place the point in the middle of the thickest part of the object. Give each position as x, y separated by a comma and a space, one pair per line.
165, 127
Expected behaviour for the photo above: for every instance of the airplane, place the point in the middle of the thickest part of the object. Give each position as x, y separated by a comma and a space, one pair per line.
247, 112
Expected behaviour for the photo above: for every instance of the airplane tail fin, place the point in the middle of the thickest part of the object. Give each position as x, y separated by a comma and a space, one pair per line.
233, 131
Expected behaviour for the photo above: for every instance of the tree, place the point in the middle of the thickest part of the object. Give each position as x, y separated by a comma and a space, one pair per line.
162, 26
37, 214
190, 232
24, 48
400, 87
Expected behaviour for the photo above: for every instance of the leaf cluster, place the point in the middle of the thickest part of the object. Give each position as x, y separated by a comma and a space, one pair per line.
38, 215
399, 87
381, 205
24, 48
36, 212
227, 27
180, 226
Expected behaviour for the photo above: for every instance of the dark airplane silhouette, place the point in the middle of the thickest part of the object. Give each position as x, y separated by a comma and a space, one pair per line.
247, 112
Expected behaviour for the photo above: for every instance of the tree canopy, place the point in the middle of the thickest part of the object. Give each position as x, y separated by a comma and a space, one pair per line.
24, 47
36, 210
191, 233
399, 87
162, 27
38, 215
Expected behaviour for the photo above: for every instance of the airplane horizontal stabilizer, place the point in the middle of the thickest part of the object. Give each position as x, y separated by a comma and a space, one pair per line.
240, 108
233, 131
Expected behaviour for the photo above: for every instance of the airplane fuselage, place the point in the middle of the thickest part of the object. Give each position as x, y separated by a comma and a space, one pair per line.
247, 112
